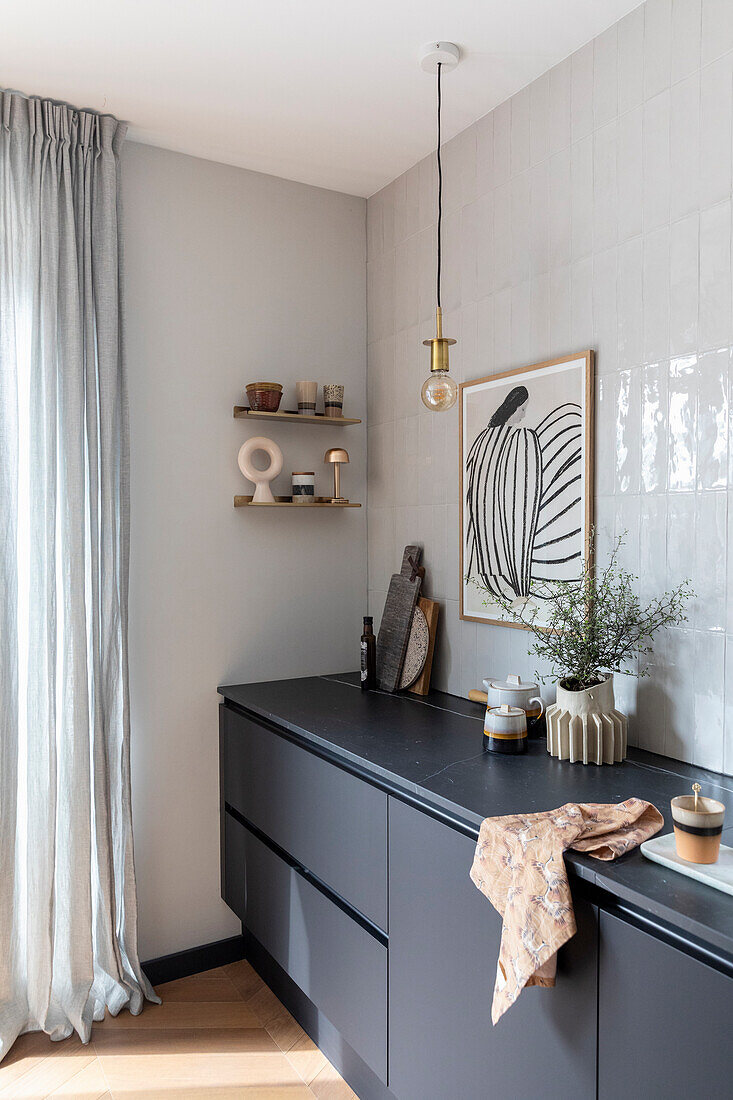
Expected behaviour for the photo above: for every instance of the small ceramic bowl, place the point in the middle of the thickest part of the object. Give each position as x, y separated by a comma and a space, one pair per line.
697, 831
264, 396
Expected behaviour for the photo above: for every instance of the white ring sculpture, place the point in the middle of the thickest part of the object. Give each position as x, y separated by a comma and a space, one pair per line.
261, 478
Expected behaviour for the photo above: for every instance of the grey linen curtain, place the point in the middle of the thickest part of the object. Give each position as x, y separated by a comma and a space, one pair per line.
68, 910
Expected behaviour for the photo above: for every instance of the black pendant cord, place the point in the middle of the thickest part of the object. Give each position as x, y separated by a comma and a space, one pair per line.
440, 187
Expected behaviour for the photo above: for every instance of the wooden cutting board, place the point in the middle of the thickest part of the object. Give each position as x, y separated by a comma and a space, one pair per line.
394, 630
430, 609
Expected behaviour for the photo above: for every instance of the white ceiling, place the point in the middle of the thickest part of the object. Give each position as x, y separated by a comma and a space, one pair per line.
328, 92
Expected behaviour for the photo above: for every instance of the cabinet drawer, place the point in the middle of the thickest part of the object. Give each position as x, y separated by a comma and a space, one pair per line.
330, 822
340, 966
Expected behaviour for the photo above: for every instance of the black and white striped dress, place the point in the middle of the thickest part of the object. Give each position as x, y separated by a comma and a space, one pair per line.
524, 498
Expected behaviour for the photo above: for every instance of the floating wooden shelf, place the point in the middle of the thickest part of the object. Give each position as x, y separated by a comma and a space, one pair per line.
241, 412
286, 502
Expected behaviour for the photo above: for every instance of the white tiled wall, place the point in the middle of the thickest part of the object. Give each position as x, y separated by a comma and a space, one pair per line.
592, 209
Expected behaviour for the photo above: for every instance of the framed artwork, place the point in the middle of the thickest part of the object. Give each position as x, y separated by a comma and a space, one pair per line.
526, 467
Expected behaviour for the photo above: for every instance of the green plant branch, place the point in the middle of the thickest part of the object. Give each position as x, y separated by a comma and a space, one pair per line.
595, 625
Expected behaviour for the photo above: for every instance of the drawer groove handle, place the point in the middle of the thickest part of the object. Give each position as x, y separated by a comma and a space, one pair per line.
356, 915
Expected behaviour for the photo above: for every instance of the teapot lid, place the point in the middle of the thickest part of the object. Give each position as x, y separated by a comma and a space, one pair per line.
507, 711
513, 683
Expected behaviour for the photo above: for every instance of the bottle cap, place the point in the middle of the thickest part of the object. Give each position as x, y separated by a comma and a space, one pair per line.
368, 620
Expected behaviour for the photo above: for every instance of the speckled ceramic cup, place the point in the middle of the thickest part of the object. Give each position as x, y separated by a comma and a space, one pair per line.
697, 831
505, 729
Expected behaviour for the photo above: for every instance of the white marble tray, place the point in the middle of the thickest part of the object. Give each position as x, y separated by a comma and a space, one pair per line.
661, 849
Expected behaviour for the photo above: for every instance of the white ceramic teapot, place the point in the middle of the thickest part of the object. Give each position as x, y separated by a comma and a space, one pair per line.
517, 693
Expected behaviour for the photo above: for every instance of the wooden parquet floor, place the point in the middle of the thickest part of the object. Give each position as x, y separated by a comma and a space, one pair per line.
219, 1035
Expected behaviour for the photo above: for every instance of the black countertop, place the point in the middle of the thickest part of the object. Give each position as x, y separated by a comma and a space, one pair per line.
430, 750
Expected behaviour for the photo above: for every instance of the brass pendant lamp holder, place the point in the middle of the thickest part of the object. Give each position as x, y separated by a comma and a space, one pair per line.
439, 344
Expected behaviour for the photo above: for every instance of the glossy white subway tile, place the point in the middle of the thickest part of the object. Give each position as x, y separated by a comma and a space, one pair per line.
605, 212
715, 275
712, 419
502, 142
651, 699
581, 189
630, 303
717, 29
627, 433
406, 278
654, 427
631, 60
657, 46
558, 118
605, 311
684, 302
485, 154
485, 356
679, 739
484, 225
520, 197
605, 467
539, 317
381, 463
502, 329
380, 546
656, 158
656, 294
581, 92
652, 547
539, 108
629, 175
520, 115
716, 114
686, 27
560, 310
681, 543
710, 562
581, 303
685, 146
502, 236
470, 359
539, 241
709, 700
469, 237
521, 299
605, 76
427, 192
559, 209
683, 383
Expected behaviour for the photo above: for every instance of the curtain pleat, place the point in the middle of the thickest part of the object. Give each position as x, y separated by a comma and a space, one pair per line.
68, 910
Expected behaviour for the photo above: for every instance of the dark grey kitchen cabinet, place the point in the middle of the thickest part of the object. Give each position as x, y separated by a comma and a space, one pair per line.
664, 1019
335, 961
326, 819
443, 948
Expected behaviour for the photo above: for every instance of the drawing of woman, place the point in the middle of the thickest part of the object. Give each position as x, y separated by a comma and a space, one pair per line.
504, 487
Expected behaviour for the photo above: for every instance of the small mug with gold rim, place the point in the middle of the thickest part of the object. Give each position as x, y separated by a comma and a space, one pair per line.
505, 729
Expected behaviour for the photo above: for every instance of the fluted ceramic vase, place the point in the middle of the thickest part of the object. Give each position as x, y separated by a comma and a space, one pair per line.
584, 727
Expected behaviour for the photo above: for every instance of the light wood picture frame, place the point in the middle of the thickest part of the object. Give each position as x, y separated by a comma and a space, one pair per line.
526, 461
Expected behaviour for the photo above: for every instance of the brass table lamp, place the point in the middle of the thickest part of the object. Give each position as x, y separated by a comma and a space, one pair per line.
337, 455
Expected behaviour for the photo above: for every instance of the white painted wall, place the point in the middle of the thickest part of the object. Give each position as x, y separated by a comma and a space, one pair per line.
231, 277
592, 209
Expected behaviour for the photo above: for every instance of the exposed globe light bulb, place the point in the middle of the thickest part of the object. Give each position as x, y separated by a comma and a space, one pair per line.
439, 392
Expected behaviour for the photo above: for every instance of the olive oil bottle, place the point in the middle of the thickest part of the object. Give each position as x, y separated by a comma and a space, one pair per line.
368, 656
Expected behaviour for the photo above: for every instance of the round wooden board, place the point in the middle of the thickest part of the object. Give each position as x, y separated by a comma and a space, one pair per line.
417, 650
